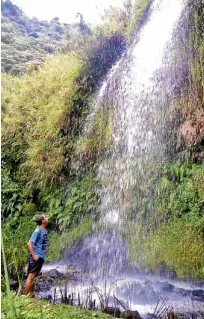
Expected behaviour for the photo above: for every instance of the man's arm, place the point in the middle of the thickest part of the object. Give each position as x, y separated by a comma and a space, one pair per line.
30, 247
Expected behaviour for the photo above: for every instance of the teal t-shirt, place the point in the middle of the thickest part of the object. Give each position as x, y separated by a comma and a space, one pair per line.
39, 239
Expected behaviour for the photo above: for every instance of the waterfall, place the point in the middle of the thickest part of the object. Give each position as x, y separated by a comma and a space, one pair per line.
138, 101
134, 99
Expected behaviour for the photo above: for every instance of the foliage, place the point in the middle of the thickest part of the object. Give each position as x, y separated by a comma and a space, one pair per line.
26, 42
11, 196
180, 191
81, 199
36, 105
16, 232
175, 232
179, 244
26, 308
8, 291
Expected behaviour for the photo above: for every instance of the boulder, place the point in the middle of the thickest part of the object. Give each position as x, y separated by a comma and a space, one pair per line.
55, 274
48, 298
198, 294
182, 291
166, 286
112, 311
190, 315
129, 314
43, 284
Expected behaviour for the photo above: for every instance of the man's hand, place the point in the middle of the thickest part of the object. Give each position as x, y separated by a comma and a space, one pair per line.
30, 247
35, 257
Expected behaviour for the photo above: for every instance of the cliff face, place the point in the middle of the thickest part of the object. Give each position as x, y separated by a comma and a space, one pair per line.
192, 130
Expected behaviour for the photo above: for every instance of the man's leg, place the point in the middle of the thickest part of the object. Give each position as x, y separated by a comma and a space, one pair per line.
29, 285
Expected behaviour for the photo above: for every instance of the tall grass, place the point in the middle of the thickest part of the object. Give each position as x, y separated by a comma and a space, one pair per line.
8, 290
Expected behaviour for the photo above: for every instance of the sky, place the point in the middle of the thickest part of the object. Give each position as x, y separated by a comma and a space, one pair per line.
66, 10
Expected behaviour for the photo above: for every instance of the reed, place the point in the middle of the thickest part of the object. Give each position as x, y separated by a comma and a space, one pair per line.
8, 290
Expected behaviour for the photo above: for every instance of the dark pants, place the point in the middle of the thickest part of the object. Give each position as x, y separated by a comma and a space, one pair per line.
33, 265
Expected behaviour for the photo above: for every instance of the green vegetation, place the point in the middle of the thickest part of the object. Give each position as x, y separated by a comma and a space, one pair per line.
180, 191
16, 232
25, 42
175, 232
196, 39
25, 308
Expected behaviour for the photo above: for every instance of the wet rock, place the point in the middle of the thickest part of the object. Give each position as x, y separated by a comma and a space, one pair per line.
43, 284
183, 292
48, 298
55, 274
128, 314
192, 129
191, 315
112, 311
112, 302
166, 286
198, 294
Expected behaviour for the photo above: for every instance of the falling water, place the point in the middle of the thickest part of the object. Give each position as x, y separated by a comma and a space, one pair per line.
135, 95
140, 121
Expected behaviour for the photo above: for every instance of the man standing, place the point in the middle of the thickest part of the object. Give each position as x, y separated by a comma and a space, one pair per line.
37, 247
